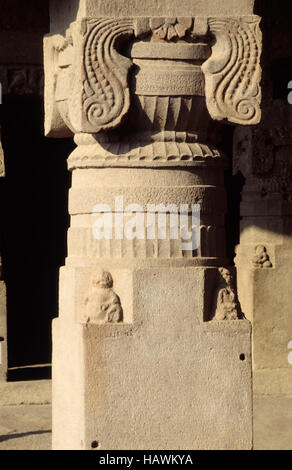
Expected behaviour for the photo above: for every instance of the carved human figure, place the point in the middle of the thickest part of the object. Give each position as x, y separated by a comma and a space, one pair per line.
261, 258
227, 306
102, 304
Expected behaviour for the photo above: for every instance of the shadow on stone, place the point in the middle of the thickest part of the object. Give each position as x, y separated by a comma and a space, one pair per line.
23, 434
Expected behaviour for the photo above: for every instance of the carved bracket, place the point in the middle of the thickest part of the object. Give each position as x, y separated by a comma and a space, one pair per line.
87, 78
106, 96
233, 71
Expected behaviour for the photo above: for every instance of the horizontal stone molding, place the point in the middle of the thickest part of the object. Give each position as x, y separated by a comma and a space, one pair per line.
138, 263
211, 199
164, 82
81, 243
139, 154
177, 51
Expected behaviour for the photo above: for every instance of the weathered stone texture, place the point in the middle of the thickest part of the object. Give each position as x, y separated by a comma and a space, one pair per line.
122, 385
142, 359
63, 15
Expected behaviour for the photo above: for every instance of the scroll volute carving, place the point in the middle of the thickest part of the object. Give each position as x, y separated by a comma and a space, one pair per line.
86, 77
233, 71
103, 76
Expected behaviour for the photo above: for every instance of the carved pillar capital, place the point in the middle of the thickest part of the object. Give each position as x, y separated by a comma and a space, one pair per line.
89, 85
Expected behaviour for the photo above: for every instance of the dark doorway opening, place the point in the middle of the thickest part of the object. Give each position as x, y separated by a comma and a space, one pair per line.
34, 222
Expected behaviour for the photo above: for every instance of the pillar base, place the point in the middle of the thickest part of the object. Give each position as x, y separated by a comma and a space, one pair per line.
162, 379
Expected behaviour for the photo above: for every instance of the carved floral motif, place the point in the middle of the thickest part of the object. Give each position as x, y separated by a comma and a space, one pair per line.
170, 28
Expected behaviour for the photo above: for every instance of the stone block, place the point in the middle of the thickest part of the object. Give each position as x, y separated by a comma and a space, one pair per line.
165, 380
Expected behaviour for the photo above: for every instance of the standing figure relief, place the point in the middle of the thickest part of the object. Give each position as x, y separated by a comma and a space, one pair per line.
227, 305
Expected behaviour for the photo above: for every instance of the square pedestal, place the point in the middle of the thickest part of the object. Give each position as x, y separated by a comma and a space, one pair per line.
166, 379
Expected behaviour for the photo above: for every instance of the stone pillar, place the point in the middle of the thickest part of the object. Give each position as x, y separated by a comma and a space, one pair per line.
151, 349
263, 258
3, 317
262, 154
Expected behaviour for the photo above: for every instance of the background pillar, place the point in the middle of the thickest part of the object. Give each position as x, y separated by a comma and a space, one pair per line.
3, 313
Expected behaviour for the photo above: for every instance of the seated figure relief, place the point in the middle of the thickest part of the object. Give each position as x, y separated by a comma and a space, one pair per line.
103, 305
261, 258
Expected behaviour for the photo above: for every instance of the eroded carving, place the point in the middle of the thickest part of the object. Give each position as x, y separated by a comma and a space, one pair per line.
170, 28
102, 304
263, 152
227, 306
260, 154
261, 258
233, 71
22, 80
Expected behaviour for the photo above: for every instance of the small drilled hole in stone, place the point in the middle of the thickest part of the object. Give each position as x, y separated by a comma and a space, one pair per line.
94, 445
242, 357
